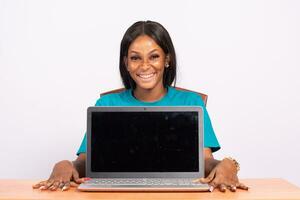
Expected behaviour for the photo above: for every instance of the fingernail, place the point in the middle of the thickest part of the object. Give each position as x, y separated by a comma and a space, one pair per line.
211, 188
42, 187
87, 178
64, 188
196, 180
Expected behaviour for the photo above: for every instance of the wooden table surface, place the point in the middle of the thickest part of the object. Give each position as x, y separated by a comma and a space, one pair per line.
259, 189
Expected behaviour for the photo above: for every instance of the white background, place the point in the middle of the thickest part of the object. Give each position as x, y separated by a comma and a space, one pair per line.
56, 57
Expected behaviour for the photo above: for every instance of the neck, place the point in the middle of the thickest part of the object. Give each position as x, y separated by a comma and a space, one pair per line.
150, 95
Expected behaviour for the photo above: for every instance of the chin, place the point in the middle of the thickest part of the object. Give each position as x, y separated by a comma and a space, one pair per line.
146, 86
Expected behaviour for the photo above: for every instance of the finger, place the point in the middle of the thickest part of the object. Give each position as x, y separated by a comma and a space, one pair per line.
48, 184
76, 177
61, 184
66, 186
82, 180
38, 185
232, 188
196, 180
73, 184
209, 178
42, 187
75, 174
211, 188
242, 186
54, 186
222, 187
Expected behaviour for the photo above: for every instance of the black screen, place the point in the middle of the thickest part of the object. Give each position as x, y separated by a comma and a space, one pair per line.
144, 142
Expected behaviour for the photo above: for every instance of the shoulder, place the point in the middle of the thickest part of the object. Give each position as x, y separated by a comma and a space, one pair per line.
112, 99
189, 97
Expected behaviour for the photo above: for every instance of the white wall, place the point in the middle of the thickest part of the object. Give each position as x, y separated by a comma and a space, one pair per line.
57, 56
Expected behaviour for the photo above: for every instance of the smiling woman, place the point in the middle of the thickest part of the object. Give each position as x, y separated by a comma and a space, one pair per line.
148, 68
146, 64
147, 60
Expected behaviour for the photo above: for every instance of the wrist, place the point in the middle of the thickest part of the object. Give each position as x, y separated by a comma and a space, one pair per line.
237, 165
210, 164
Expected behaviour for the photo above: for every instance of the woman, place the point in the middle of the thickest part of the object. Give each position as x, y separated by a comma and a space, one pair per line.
148, 68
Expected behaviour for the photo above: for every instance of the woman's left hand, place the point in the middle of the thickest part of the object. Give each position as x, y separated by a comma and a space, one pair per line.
224, 176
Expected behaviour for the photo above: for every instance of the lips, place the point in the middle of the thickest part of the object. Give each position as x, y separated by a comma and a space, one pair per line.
146, 76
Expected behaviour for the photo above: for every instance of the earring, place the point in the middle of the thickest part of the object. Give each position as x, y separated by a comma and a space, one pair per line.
167, 65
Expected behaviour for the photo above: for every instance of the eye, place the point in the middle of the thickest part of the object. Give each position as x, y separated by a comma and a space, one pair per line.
154, 56
134, 58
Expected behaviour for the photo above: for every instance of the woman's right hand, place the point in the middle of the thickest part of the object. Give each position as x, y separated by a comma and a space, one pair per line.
63, 176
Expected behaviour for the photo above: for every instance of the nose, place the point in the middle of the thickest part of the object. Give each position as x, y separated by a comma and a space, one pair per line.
145, 65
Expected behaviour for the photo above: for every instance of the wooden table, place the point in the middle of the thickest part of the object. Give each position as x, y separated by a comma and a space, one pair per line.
259, 189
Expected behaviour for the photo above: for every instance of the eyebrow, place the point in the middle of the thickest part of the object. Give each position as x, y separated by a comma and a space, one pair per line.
133, 51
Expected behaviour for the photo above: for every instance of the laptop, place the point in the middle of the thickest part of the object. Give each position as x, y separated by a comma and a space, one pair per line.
144, 149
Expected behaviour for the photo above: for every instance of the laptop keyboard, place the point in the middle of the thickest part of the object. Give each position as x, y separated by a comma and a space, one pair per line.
144, 181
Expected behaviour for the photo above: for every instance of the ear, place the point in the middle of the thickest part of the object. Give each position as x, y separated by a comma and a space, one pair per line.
167, 59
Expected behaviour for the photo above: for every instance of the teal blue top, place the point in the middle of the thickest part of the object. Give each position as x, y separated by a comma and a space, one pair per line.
173, 97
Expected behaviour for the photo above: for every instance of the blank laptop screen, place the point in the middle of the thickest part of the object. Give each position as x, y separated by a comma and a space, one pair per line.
144, 142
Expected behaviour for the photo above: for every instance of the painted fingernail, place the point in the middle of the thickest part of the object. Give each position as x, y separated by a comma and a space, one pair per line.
87, 178
64, 188
42, 187
211, 188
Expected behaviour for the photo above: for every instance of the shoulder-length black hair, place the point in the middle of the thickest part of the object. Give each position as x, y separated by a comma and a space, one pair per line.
161, 36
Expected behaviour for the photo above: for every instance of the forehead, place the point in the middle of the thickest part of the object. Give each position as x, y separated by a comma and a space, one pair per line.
143, 43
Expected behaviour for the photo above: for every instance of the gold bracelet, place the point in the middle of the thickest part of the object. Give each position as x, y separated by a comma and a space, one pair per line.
235, 163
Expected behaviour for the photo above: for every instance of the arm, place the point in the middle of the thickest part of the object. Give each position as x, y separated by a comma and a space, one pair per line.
79, 164
210, 162
221, 174
64, 175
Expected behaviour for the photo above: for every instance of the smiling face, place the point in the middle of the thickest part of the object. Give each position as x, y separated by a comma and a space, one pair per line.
146, 62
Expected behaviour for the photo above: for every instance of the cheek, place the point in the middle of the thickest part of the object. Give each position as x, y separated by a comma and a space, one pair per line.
159, 64
132, 70
132, 66
132, 75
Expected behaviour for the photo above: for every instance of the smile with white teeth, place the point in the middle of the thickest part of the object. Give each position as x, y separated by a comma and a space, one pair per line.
146, 76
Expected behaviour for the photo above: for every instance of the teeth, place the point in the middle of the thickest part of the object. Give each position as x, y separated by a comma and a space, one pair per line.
146, 75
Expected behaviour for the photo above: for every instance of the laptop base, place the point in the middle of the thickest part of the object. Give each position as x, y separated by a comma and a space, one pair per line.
168, 185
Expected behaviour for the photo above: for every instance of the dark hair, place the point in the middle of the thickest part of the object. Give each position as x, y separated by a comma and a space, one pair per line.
161, 36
